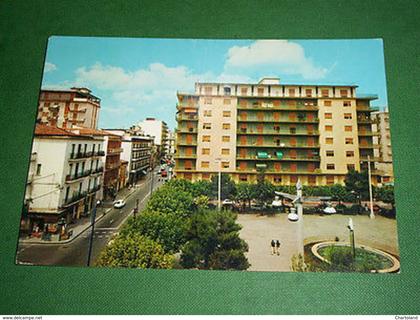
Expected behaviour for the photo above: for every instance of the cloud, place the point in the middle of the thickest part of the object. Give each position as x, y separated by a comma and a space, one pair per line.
275, 56
48, 67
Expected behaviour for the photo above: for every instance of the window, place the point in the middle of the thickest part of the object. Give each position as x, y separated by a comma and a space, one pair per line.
226, 91
207, 113
330, 153
349, 140
205, 164
225, 151
350, 167
226, 113
207, 126
327, 103
347, 116
293, 179
308, 92
38, 169
208, 101
208, 90
328, 115
226, 101
348, 128
330, 166
226, 138
325, 93
328, 128
346, 103
226, 126
291, 92
260, 91
343, 93
349, 154
244, 91
206, 138
225, 164
205, 151
329, 140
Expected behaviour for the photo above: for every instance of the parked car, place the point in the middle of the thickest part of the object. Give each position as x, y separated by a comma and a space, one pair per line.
119, 204
228, 202
293, 217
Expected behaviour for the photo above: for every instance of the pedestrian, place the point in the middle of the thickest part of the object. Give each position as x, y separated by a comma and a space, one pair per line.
278, 247
273, 247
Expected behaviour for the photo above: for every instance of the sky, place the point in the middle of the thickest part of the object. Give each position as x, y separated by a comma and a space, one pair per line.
138, 78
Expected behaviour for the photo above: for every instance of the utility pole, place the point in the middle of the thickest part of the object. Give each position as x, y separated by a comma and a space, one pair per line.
371, 215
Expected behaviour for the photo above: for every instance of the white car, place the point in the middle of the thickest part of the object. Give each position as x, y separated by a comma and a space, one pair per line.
293, 217
119, 204
228, 202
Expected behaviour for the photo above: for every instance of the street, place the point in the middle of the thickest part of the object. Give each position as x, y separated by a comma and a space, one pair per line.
75, 252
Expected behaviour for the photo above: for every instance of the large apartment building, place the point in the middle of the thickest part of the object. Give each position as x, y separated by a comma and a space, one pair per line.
315, 133
68, 108
380, 124
64, 179
159, 130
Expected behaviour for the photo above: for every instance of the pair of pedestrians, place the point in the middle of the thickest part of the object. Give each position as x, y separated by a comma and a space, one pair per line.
275, 247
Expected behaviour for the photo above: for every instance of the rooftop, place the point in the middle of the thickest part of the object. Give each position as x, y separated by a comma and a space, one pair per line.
44, 130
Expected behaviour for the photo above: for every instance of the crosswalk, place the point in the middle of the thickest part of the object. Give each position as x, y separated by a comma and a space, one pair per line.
102, 233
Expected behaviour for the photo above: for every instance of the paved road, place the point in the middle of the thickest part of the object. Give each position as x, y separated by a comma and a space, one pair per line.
75, 252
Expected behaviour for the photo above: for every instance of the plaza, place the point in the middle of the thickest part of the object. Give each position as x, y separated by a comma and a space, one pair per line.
259, 230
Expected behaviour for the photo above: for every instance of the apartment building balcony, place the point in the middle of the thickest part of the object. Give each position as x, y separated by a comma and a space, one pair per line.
97, 170
279, 108
366, 108
367, 134
139, 168
135, 159
372, 159
277, 133
140, 148
276, 159
187, 143
76, 197
185, 117
77, 176
114, 150
186, 130
112, 166
94, 189
369, 146
186, 156
273, 120
79, 155
279, 172
99, 153
280, 146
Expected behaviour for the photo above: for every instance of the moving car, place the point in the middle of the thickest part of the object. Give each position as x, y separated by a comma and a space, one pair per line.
119, 204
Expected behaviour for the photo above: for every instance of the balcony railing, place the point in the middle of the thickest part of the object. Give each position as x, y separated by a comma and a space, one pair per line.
185, 143
279, 146
372, 159
186, 117
279, 108
275, 132
97, 170
185, 156
298, 158
79, 155
281, 120
77, 196
369, 146
186, 130
114, 150
77, 175
367, 133
94, 189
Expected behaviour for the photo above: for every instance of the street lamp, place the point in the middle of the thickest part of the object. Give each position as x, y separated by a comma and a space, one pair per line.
298, 203
219, 184
92, 222
351, 230
371, 215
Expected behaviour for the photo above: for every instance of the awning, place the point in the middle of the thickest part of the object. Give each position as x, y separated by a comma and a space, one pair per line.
279, 154
262, 155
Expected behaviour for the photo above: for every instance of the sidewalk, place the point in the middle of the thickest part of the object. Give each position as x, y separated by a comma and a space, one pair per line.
83, 223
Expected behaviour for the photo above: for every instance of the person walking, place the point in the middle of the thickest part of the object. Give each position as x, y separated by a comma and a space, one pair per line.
278, 247
273, 247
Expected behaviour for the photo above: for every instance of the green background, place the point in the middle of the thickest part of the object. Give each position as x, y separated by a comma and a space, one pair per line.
24, 29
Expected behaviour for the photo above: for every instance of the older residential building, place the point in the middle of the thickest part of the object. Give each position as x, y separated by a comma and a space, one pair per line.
123, 175
171, 144
313, 132
112, 160
64, 179
68, 108
137, 151
383, 140
157, 129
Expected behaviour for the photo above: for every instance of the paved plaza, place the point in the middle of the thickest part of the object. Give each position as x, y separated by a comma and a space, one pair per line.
258, 231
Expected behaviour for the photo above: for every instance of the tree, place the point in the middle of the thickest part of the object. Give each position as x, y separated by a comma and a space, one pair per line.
213, 242
385, 194
358, 182
167, 229
136, 251
244, 193
202, 187
263, 192
228, 186
339, 192
201, 202
169, 199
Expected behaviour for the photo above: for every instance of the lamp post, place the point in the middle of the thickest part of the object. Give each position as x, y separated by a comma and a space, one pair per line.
352, 244
298, 205
219, 185
92, 222
371, 215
